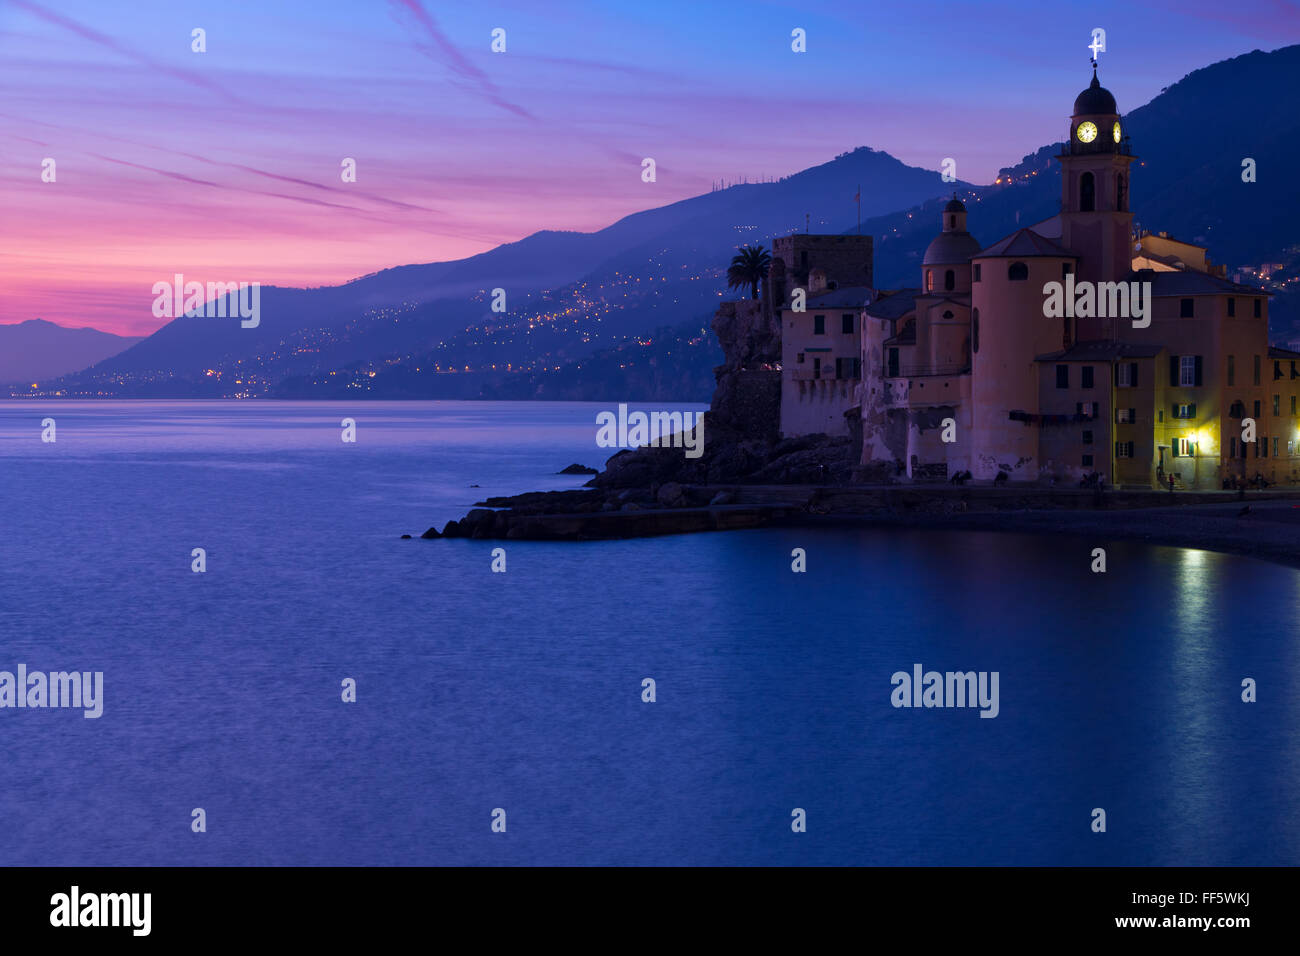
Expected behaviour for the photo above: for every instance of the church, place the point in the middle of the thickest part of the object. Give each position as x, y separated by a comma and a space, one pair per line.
981, 370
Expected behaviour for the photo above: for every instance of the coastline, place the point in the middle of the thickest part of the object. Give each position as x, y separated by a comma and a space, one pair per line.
1265, 524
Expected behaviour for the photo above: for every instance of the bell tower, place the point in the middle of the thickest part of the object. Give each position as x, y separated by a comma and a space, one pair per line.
1095, 219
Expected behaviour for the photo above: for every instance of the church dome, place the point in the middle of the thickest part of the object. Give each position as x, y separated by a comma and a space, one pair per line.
955, 205
1096, 99
949, 248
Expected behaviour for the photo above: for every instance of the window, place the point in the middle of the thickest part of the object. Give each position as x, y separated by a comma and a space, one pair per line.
1232, 447
800, 360
1062, 376
1185, 308
819, 325
1232, 306
1185, 410
1256, 369
1087, 438
1275, 441
1290, 447
1237, 410
1085, 375
1257, 408
1065, 332
1086, 408
846, 323
1277, 371
1232, 368
1123, 449
975, 332
1184, 370
947, 313
952, 222
848, 368
1067, 269
1087, 461
1126, 374
817, 367
1256, 443
893, 363
803, 259
1018, 272
1263, 444
1087, 193
1258, 310
1160, 414
1277, 404
1125, 416
1292, 404
949, 280
929, 280
1184, 448
977, 272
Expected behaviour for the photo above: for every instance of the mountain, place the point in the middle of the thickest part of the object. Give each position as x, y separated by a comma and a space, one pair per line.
571, 295
1190, 142
414, 309
36, 350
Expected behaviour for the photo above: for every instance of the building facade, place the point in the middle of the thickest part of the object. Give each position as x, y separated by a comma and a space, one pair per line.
1073, 348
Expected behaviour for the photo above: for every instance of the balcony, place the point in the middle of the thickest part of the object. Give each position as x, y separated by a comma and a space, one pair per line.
923, 371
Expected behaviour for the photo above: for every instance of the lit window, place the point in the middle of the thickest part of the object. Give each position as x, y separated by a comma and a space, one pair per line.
1187, 370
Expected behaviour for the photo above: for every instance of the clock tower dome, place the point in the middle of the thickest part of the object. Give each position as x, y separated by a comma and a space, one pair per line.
1095, 219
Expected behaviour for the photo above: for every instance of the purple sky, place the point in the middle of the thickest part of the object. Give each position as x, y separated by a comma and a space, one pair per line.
225, 165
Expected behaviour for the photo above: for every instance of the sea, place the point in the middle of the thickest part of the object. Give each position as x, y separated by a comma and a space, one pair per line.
504, 717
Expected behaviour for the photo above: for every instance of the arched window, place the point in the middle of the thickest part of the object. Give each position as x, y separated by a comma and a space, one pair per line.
949, 280
1121, 194
1087, 193
929, 280
947, 314
952, 222
975, 331
1018, 272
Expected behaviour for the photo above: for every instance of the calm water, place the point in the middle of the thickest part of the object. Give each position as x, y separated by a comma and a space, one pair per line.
522, 690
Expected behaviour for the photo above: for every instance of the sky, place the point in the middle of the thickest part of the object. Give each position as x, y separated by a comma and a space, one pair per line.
225, 165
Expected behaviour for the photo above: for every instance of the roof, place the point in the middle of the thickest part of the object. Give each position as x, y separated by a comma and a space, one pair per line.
1024, 244
1277, 352
1191, 282
1099, 350
854, 296
950, 248
907, 336
893, 305
1095, 99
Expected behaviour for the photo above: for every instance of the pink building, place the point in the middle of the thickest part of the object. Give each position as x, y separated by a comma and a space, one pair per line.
1066, 349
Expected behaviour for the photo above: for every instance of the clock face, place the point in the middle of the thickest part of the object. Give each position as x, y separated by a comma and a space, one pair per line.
1086, 132
1116, 131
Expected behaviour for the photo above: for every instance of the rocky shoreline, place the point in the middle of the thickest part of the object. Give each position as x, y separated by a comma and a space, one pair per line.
1265, 525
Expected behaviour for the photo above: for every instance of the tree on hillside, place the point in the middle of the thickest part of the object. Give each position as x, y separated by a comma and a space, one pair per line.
748, 268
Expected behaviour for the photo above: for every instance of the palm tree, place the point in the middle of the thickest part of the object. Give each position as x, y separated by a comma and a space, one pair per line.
748, 268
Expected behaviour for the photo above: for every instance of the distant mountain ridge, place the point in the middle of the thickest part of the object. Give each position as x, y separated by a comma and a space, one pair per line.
37, 350
573, 294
